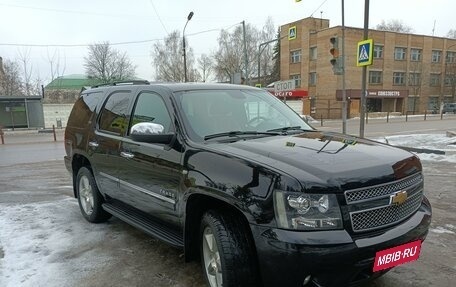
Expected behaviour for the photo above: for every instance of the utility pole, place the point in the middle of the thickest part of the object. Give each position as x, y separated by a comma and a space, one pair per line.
260, 50
344, 93
246, 60
364, 76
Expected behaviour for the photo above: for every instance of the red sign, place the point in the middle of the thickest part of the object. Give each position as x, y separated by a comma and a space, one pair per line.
397, 255
293, 94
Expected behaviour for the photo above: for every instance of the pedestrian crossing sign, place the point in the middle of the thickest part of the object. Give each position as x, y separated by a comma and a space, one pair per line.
365, 51
292, 33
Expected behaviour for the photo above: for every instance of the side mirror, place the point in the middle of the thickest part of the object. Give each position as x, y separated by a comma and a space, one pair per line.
150, 133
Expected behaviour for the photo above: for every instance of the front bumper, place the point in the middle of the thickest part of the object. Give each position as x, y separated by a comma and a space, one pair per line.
332, 258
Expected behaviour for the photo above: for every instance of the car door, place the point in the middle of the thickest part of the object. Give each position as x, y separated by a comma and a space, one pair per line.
104, 144
151, 173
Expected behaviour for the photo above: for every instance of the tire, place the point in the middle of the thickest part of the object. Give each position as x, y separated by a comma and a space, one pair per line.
227, 253
89, 197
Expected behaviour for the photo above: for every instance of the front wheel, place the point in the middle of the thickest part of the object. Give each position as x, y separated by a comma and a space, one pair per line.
89, 197
227, 253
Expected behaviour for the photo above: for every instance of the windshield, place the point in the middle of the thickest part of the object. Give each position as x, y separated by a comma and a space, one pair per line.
209, 112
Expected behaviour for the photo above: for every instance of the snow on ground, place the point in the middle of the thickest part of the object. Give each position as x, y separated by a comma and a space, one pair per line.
43, 248
426, 141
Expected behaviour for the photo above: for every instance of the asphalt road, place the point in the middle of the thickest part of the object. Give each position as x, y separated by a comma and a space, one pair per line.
48, 243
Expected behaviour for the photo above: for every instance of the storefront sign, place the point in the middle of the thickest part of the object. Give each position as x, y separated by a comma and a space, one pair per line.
291, 94
381, 94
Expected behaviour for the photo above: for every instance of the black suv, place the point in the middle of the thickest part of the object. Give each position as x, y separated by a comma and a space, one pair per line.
235, 178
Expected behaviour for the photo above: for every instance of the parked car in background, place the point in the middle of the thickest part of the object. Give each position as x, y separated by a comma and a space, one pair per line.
449, 108
240, 182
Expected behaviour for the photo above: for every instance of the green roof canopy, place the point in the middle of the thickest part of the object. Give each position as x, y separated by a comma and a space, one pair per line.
71, 82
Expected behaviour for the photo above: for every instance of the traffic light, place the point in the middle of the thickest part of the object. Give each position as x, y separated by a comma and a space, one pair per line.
336, 60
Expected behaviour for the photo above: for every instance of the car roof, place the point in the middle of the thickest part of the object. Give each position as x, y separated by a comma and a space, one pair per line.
177, 87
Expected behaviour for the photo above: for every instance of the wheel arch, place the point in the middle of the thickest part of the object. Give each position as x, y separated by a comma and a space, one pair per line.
78, 162
197, 204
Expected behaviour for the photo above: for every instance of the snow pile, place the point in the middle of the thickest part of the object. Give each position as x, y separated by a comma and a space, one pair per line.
426, 141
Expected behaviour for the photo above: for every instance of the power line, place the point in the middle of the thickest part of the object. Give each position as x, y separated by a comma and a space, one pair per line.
112, 44
68, 11
322, 3
158, 16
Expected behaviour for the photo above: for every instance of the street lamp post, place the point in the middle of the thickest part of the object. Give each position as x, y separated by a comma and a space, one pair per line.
189, 17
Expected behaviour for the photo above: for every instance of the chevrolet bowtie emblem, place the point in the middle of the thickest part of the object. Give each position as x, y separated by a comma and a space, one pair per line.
398, 197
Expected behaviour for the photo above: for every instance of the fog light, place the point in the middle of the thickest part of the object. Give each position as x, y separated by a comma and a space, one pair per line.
306, 280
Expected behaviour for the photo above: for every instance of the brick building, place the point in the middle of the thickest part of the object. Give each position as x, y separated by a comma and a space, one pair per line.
410, 73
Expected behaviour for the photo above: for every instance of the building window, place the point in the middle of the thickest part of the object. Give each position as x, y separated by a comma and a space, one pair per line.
297, 79
436, 56
312, 79
415, 55
398, 78
399, 53
313, 53
447, 80
375, 77
451, 57
296, 56
378, 51
433, 103
434, 80
414, 79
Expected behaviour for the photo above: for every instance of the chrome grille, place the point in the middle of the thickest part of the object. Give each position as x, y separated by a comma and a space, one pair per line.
362, 194
384, 216
371, 207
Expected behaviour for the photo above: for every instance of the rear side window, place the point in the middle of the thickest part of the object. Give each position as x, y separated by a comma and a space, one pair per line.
83, 109
113, 116
151, 108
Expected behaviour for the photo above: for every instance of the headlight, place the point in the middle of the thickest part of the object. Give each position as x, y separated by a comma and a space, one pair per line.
302, 211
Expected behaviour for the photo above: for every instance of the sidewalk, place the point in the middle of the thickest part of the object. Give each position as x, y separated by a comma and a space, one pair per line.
23, 136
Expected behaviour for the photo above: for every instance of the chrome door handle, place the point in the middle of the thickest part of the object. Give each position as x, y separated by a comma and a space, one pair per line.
127, 155
93, 144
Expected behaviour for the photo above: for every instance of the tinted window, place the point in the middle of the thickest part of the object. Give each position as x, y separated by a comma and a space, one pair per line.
151, 108
84, 108
114, 113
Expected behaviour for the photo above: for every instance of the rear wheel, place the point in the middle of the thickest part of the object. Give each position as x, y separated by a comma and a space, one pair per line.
89, 197
227, 253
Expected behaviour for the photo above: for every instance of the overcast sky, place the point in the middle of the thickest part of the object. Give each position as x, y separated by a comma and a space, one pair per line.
82, 22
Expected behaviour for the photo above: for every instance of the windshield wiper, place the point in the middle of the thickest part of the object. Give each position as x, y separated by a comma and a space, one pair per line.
238, 133
286, 129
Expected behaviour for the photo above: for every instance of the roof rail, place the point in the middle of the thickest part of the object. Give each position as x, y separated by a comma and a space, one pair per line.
126, 82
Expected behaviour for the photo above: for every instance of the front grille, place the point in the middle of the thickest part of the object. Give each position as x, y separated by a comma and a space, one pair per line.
371, 208
385, 216
361, 194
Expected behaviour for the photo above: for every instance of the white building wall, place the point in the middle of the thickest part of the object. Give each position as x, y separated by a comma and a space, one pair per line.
55, 113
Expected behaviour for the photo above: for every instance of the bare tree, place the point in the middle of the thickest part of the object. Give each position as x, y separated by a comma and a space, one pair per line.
57, 69
394, 25
27, 71
168, 60
230, 59
415, 82
10, 82
107, 64
266, 60
205, 65
451, 34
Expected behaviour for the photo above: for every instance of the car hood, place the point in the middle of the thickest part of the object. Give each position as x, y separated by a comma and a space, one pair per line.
324, 160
